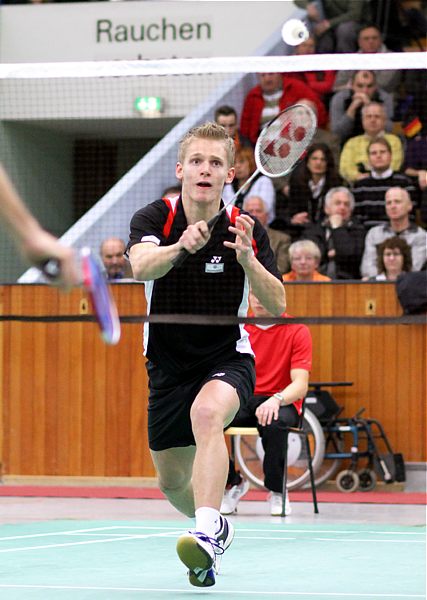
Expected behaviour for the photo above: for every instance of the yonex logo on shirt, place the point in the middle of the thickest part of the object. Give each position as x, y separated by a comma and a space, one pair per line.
216, 259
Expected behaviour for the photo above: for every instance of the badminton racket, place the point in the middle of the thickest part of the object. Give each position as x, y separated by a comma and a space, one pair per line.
279, 148
96, 285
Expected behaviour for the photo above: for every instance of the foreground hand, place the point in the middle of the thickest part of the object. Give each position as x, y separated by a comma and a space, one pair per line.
41, 247
243, 243
195, 237
267, 411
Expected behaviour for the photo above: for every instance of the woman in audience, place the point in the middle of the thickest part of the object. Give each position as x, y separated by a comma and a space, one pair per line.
394, 258
308, 186
305, 259
261, 186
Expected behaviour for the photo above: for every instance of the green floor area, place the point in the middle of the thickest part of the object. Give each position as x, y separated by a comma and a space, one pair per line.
94, 560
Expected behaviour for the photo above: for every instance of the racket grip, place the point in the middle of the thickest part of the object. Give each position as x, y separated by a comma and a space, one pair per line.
180, 257
183, 253
51, 269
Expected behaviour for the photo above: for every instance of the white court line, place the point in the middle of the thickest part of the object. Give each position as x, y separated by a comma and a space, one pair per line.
225, 593
87, 542
321, 539
238, 530
169, 534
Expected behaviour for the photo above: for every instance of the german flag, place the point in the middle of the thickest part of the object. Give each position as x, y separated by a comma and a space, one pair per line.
413, 127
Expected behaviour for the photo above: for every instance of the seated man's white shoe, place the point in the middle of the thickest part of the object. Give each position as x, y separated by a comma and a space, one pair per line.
275, 501
232, 497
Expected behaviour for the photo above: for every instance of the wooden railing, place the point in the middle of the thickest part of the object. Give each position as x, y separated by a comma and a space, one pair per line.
72, 406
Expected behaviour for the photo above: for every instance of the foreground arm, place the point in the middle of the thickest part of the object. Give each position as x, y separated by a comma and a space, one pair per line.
265, 286
36, 244
269, 410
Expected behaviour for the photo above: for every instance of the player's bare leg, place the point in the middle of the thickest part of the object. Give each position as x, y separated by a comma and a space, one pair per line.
174, 469
213, 408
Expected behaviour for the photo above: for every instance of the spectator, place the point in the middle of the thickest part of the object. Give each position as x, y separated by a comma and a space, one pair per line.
415, 167
308, 185
226, 116
282, 364
339, 237
393, 259
262, 186
404, 24
321, 82
336, 28
370, 42
112, 255
274, 93
279, 241
354, 161
398, 206
305, 259
346, 105
370, 192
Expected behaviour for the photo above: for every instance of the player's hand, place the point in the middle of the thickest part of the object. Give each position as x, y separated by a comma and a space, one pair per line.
42, 247
268, 411
243, 243
195, 237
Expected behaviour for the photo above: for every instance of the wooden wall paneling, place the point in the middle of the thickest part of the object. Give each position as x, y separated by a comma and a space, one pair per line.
73, 406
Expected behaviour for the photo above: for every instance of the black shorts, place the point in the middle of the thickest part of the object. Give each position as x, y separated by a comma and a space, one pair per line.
171, 397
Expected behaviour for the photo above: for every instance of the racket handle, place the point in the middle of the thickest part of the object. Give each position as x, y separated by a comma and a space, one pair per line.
183, 253
180, 257
51, 269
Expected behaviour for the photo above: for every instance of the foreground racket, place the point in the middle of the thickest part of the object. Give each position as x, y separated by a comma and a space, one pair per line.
279, 148
102, 301
96, 285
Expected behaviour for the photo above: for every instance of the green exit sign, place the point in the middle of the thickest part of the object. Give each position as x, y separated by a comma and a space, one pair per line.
149, 104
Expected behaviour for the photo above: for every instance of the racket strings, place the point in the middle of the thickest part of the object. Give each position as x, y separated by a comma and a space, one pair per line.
285, 140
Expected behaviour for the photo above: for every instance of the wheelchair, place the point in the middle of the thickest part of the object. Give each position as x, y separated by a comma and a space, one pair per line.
326, 432
249, 453
368, 443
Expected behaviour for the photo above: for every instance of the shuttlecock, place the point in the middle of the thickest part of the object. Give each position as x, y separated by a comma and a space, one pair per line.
294, 32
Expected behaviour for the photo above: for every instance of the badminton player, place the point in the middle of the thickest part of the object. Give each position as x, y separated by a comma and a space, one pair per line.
37, 245
199, 374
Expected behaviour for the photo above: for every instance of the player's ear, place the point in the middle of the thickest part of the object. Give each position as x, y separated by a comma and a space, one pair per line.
230, 175
178, 170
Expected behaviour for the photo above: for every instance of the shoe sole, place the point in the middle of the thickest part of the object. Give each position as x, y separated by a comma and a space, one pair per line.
208, 581
193, 555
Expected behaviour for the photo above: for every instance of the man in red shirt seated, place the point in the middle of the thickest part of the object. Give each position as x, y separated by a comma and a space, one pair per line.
274, 93
283, 356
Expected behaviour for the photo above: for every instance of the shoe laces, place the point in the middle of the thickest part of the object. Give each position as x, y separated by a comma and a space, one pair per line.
216, 546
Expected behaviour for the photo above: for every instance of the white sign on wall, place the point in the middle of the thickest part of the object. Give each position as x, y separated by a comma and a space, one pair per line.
136, 30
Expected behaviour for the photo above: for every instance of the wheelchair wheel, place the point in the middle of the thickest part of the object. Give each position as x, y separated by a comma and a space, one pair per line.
249, 453
347, 481
329, 466
367, 480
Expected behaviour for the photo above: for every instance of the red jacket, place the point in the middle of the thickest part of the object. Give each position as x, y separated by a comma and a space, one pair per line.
310, 78
293, 91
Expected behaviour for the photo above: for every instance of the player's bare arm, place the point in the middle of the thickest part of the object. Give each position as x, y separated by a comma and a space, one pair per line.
150, 261
36, 244
267, 288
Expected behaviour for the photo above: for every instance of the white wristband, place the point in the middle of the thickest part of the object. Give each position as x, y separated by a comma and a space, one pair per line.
279, 397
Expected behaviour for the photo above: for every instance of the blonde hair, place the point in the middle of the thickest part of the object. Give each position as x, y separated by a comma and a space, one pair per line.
208, 131
306, 245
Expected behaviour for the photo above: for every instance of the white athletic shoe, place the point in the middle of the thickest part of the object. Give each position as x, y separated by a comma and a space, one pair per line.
232, 497
198, 553
275, 501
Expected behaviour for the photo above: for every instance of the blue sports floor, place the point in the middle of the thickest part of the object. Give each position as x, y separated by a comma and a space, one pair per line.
109, 560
